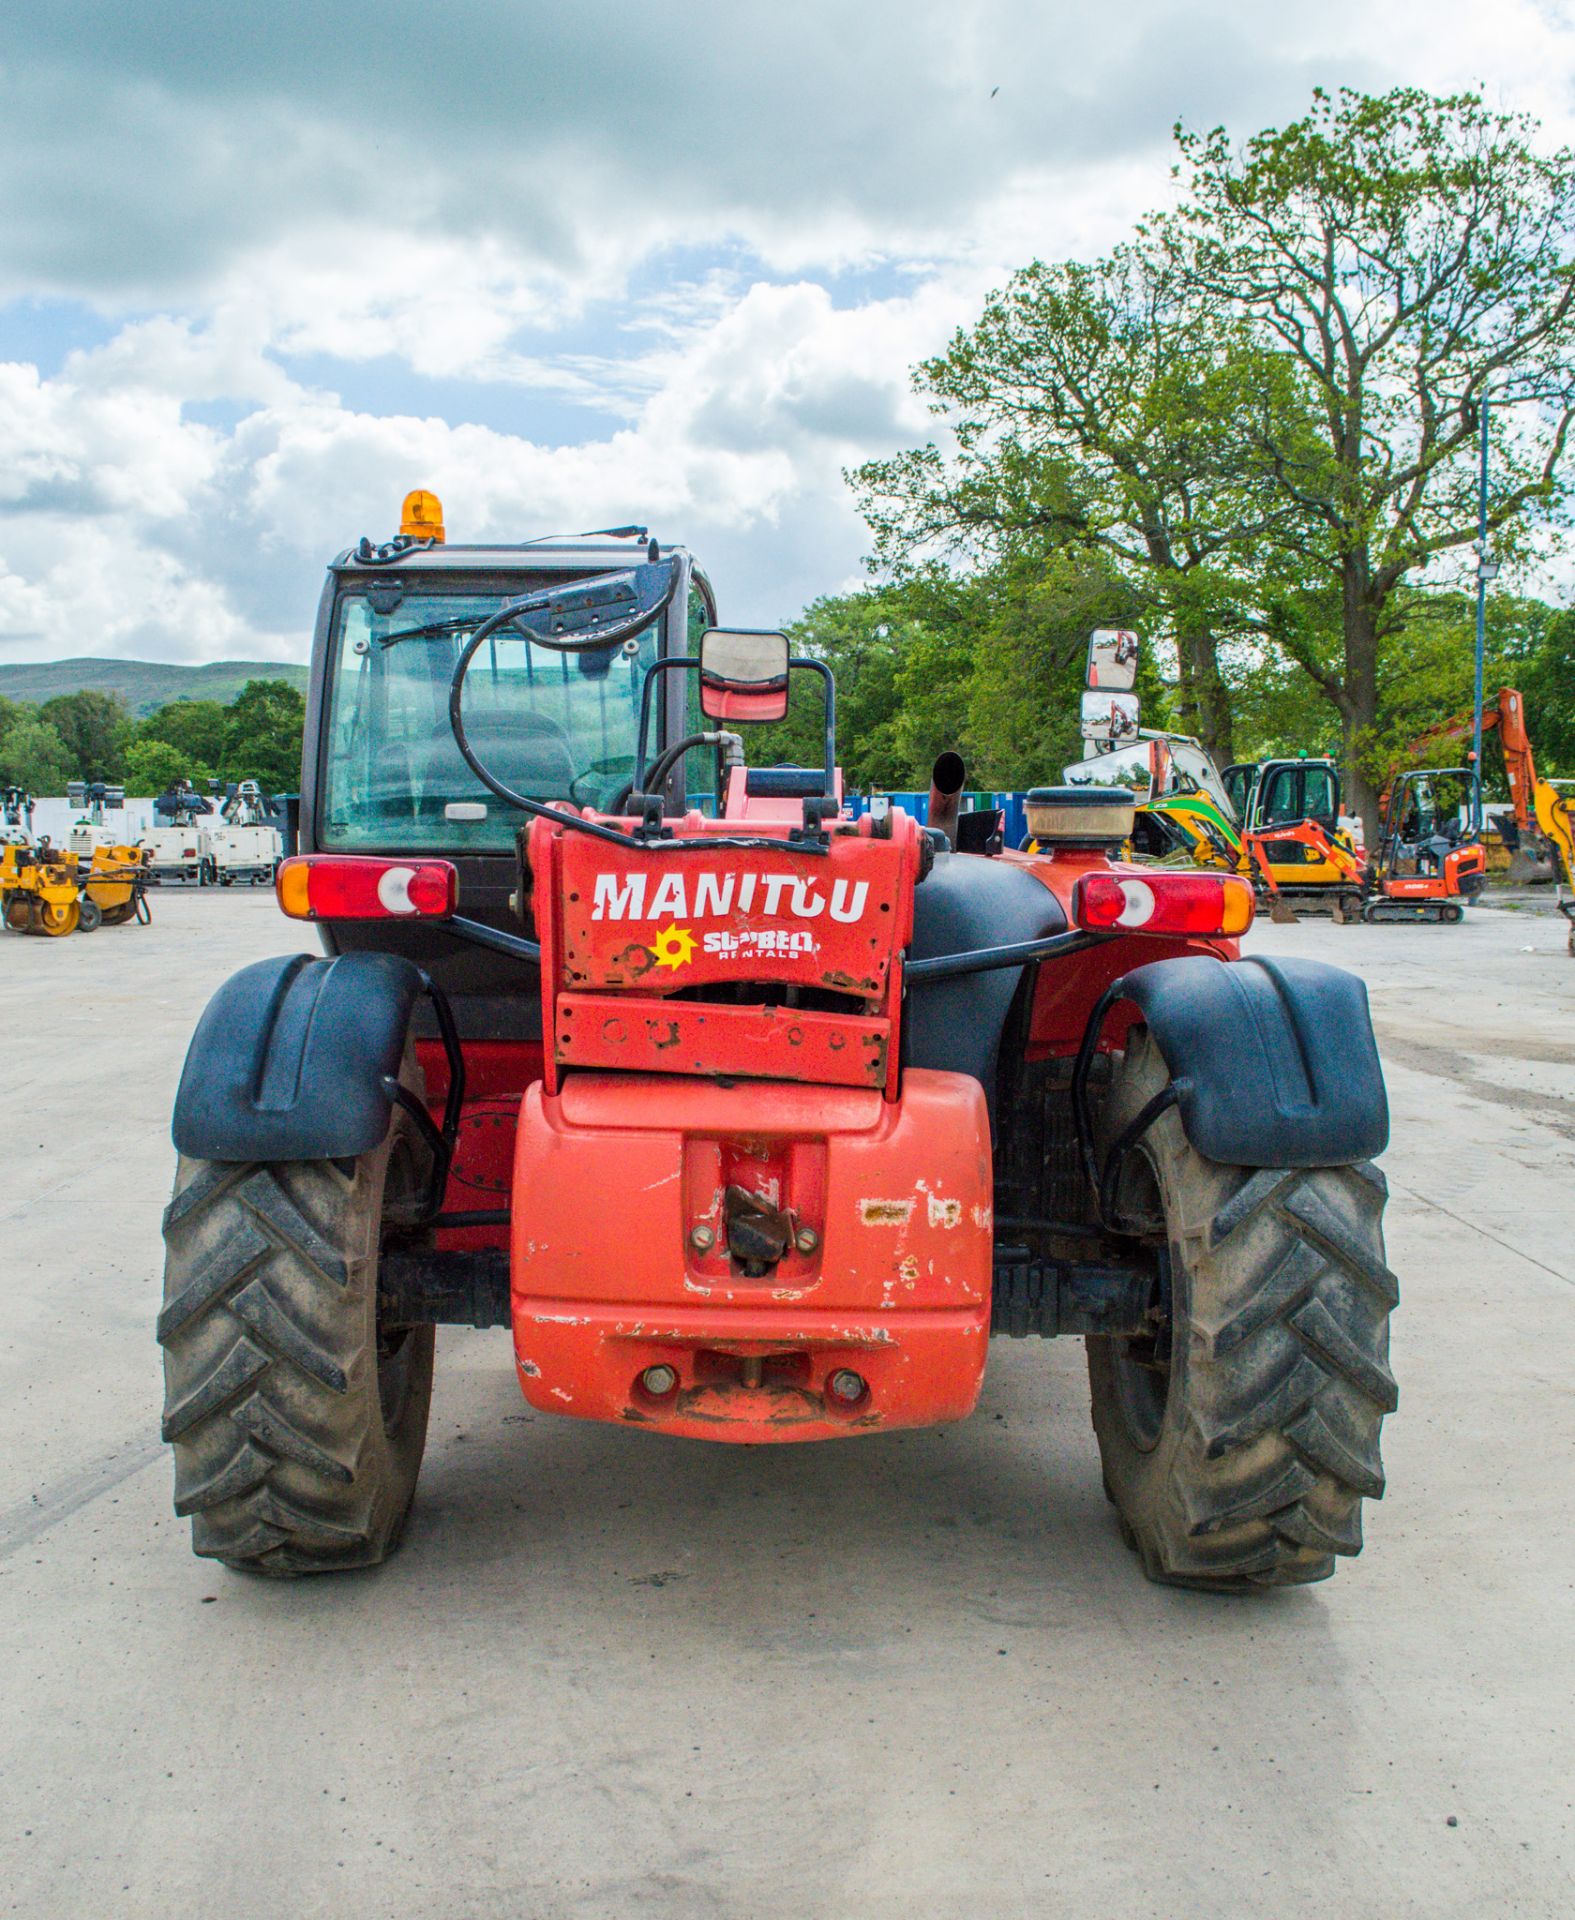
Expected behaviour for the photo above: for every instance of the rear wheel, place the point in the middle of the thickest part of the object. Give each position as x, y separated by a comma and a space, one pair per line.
90, 916
1240, 1438
297, 1417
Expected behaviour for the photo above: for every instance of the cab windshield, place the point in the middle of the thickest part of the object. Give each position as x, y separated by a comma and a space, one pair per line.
554, 726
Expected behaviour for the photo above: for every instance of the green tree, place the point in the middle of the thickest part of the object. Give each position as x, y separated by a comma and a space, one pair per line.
860, 637
1537, 655
152, 766
1410, 256
195, 727
33, 755
95, 727
1105, 410
262, 736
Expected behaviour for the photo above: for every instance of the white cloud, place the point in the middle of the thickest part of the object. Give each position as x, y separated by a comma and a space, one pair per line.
693, 263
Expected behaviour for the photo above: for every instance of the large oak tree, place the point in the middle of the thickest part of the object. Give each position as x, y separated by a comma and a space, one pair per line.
1410, 256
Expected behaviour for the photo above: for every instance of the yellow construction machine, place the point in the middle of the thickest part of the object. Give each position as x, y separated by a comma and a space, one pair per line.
38, 890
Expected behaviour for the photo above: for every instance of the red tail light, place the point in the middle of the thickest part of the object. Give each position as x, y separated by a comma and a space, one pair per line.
340, 886
1162, 902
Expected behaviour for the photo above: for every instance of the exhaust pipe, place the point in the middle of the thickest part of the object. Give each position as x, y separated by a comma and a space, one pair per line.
946, 784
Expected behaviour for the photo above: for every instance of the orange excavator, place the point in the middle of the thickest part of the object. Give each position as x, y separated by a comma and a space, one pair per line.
1544, 813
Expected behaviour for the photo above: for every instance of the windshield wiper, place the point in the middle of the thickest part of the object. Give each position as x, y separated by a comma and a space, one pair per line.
575, 606
432, 629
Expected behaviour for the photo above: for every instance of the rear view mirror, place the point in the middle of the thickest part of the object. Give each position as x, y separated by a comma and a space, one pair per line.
743, 675
1112, 659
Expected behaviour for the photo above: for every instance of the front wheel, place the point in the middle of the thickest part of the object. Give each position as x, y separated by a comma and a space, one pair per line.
1240, 1437
297, 1416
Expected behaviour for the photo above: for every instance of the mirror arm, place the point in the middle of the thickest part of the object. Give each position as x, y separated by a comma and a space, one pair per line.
830, 684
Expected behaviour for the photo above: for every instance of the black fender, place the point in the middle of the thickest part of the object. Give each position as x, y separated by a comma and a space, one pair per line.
291, 1057
1273, 1062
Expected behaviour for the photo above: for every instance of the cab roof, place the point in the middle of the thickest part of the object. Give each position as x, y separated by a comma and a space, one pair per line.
545, 556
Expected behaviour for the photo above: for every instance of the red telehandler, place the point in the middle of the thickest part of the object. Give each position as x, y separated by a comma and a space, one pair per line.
752, 1121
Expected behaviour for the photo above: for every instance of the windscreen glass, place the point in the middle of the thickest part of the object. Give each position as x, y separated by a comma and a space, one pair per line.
554, 726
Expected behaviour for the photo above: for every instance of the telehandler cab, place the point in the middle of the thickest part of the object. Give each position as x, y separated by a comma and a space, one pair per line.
752, 1121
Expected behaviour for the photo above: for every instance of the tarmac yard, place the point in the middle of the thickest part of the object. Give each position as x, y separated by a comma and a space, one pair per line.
915, 1675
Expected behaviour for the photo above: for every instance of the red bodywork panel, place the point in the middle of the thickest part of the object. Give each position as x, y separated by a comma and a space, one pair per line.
613, 1176
623, 932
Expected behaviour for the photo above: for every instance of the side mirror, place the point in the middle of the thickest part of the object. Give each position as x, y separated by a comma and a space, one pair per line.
1112, 659
743, 675
1109, 718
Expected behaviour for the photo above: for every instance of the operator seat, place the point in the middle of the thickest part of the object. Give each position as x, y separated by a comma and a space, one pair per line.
525, 750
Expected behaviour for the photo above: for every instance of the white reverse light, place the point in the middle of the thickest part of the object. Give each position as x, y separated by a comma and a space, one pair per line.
393, 889
1139, 908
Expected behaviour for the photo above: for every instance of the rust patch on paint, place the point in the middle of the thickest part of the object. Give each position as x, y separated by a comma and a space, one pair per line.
885, 1213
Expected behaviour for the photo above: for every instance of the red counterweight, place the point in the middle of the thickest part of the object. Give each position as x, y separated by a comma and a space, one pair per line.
876, 1316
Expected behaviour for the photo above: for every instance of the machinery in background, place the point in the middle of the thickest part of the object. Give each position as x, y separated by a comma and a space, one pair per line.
1544, 816
1276, 823
97, 880
16, 817
181, 850
39, 893
91, 831
1427, 865
245, 845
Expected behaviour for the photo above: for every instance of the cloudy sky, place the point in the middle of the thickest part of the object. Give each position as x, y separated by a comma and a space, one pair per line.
263, 268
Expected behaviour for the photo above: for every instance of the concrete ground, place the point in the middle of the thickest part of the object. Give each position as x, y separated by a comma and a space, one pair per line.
916, 1675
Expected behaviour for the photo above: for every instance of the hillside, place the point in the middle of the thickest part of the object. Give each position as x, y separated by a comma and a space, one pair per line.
142, 684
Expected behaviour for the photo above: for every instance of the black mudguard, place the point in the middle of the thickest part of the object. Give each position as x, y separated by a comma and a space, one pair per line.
1273, 1061
290, 1058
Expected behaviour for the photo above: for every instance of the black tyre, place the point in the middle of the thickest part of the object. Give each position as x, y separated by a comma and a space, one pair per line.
1239, 1442
297, 1420
90, 915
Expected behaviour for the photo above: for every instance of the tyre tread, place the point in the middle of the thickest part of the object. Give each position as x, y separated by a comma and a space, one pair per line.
1259, 1476
272, 1400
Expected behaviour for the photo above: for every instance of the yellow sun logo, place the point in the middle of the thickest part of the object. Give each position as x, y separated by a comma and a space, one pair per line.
673, 946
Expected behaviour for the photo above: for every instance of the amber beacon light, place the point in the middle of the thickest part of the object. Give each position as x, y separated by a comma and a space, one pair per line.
421, 517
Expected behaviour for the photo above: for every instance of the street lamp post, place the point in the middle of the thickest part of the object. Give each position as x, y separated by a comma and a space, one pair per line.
1486, 570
